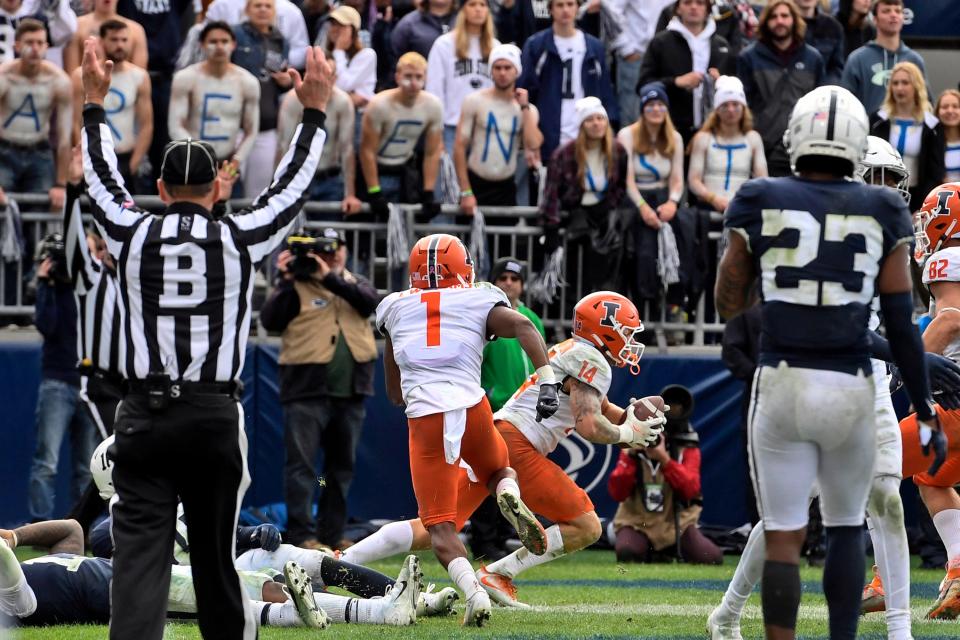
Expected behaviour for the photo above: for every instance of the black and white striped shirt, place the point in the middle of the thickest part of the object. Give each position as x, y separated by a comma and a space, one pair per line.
100, 317
186, 279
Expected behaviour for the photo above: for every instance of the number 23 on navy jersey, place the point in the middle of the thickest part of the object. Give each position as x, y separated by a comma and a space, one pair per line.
818, 248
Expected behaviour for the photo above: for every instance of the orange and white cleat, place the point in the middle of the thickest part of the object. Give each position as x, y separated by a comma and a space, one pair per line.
947, 606
500, 589
873, 598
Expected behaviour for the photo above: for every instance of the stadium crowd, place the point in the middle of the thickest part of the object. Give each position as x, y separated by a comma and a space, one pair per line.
630, 125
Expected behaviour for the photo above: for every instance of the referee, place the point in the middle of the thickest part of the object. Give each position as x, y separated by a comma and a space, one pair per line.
99, 347
186, 280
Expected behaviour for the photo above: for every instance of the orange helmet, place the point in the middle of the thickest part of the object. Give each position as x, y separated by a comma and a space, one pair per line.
611, 323
938, 220
438, 261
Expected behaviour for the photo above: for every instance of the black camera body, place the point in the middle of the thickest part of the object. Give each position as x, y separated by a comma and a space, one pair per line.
678, 431
54, 248
304, 265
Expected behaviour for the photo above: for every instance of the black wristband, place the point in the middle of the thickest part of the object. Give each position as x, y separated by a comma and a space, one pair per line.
93, 114
314, 117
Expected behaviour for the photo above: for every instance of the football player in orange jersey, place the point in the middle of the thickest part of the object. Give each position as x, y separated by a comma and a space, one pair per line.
938, 243
606, 326
435, 333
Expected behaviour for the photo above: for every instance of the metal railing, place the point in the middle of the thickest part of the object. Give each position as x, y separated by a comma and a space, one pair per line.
367, 256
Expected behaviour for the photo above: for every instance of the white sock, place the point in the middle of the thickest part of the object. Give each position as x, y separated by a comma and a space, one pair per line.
891, 552
389, 540
947, 523
508, 484
521, 559
462, 574
351, 610
747, 574
276, 614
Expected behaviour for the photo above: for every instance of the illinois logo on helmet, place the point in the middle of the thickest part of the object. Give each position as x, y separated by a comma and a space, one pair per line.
611, 323
937, 221
438, 261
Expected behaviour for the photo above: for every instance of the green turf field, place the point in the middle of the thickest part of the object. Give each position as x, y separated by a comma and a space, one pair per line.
589, 596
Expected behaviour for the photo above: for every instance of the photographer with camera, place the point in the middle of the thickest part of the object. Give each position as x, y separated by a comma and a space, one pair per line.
658, 489
59, 407
327, 358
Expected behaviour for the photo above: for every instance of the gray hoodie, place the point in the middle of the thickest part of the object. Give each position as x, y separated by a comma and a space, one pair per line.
867, 71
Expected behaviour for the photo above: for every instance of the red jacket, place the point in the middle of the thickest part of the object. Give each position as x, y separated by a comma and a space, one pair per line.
683, 475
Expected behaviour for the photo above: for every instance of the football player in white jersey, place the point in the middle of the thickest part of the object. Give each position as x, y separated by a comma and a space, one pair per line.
881, 165
435, 333
606, 326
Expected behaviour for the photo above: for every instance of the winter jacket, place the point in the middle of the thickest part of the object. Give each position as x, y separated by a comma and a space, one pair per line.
260, 54
868, 70
854, 37
56, 320
825, 35
417, 31
683, 475
518, 23
772, 87
931, 167
728, 26
669, 56
543, 79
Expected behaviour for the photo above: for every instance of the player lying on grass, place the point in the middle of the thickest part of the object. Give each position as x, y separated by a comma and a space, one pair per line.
69, 588
262, 550
938, 251
606, 327
881, 165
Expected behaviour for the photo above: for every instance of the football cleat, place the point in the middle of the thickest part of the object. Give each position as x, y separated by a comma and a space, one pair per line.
528, 528
721, 628
478, 610
300, 588
500, 589
873, 598
436, 604
947, 606
401, 599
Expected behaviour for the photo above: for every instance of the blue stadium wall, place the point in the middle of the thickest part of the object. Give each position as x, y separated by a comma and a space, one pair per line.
382, 486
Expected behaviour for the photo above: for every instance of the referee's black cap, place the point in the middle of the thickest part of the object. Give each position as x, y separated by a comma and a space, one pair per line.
188, 162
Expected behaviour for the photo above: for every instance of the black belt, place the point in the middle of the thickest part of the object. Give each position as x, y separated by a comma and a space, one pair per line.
43, 145
110, 377
326, 174
187, 388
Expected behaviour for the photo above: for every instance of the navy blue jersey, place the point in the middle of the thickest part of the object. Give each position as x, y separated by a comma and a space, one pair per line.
817, 248
70, 589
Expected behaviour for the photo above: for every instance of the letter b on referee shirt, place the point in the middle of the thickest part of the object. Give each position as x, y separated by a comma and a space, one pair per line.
184, 271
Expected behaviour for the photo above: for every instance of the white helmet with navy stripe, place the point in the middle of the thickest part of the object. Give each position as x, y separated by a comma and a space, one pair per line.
101, 466
884, 166
829, 121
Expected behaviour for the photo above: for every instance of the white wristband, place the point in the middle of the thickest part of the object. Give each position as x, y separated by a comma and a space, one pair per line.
626, 434
545, 375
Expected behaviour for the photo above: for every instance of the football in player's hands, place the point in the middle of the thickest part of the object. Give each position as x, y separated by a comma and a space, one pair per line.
646, 408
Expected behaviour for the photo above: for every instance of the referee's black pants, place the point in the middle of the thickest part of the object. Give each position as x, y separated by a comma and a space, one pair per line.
195, 449
100, 394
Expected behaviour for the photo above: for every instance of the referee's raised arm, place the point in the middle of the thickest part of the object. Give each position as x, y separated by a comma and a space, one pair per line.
261, 227
104, 183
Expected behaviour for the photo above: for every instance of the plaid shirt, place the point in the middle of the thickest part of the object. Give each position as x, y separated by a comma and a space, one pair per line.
564, 192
